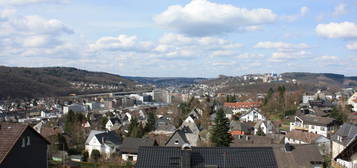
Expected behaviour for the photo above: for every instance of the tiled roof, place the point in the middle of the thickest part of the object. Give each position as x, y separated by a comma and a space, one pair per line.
9, 135
252, 157
131, 145
316, 120
307, 137
242, 105
347, 132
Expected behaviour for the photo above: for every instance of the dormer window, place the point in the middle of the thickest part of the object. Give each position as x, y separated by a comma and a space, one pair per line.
176, 142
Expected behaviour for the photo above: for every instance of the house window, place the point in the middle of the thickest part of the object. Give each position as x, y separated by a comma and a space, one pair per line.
312, 127
176, 141
322, 128
131, 158
23, 143
28, 140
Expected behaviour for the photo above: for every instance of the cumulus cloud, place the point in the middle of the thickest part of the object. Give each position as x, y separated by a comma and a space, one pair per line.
26, 2
31, 35
285, 56
204, 18
121, 42
339, 10
280, 45
352, 46
337, 30
303, 12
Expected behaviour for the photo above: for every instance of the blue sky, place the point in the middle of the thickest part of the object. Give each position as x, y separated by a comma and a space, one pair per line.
198, 38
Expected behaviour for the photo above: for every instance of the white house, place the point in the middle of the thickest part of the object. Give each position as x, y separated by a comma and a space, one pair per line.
242, 107
352, 99
314, 124
106, 142
266, 126
302, 137
113, 124
252, 116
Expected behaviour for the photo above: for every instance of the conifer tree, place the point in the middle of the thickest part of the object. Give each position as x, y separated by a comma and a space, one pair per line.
220, 135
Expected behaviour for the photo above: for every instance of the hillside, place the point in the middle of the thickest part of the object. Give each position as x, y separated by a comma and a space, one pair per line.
166, 81
328, 80
56, 81
305, 81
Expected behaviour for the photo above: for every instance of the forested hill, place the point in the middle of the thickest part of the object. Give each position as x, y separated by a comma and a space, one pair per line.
55, 81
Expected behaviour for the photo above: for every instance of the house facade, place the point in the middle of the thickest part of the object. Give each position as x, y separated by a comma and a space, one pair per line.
314, 124
106, 142
22, 146
344, 136
252, 116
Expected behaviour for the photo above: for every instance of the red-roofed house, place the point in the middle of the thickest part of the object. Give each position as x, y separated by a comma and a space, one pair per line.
22, 146
241, 107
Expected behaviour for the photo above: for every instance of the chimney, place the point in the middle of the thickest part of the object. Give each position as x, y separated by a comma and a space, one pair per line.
186, 156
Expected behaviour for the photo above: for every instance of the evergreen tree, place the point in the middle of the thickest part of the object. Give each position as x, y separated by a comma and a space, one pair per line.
260, 132
150, 126
135, 129
220, 135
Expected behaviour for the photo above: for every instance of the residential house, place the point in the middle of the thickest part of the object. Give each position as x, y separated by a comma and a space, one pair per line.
352, 99
75, 108
252, 116
239, 128
22, 146
184, 135
314, 124
113, 124
129, 148
266, 126
302, 137
241, 107
349, 154
343, 137
163, 125
194, 157
106, 142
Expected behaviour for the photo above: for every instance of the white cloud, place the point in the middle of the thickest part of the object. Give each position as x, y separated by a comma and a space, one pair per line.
304, 10
250, 56
280, 45
202, 18
26, 2
337, 30
285, 56
31, 35
327, 58
339, 10
352, 46
122, 42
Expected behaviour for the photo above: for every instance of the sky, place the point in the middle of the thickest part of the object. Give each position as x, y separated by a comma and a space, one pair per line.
181, 38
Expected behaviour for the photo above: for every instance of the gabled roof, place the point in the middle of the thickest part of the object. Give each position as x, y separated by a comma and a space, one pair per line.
254, 157
9, 135
131, 145
109, 138
307, 137
350, 150
316, 120
242, 105
347, 132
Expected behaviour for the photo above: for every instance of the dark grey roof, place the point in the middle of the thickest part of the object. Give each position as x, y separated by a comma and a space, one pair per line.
179, 136
109, 137
347, 132
115, 120
250, 157
349, 151
131, 145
